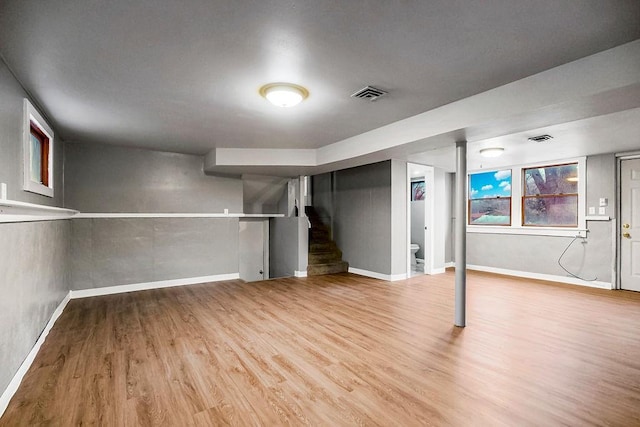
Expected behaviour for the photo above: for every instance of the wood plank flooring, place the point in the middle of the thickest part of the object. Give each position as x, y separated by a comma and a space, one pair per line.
340, 350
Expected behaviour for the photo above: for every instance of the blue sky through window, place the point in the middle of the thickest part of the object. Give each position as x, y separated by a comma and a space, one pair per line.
490, 184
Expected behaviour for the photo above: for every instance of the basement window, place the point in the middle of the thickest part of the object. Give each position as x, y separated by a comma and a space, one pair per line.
37, 145
550, 196
490, 198
545, 199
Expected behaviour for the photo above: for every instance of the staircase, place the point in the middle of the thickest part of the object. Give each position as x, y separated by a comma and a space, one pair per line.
324, 255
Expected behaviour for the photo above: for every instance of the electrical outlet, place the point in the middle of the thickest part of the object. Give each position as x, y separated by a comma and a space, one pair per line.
604, 201
592, 210
602, 211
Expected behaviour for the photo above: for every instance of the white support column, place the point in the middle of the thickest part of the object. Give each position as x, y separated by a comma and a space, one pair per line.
461, 234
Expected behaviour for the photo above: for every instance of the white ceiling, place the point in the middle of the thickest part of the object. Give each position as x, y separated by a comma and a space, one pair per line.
184, 76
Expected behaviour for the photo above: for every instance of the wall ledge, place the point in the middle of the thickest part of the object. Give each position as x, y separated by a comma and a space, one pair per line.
15, 211
174, 215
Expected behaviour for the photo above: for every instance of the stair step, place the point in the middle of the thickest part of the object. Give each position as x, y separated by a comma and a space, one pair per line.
327, 246
325, 257
329, 268
319, 234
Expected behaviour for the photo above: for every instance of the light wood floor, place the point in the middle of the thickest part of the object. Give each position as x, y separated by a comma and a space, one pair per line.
340, 350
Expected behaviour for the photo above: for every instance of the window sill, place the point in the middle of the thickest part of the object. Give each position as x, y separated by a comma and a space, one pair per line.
532, 231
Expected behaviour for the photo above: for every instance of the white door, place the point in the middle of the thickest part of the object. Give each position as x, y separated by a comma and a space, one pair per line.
251, 248
630, 225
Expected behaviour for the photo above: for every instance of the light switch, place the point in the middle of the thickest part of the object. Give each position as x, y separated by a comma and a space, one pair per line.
592, 210
604, 201
602, 211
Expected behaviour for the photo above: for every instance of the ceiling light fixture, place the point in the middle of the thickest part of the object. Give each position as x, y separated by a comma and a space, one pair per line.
572, 179
284, 94
492, 152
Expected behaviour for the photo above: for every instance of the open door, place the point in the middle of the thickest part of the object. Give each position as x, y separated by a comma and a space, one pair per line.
630, 224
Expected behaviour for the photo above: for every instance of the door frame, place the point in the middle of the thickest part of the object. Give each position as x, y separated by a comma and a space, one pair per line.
617, 225
429, 183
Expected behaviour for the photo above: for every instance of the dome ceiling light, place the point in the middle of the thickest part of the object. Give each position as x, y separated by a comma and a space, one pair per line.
492, 152
284, 94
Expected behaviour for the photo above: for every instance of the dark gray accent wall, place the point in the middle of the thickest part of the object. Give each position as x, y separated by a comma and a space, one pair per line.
362, 216
321, 187
33, 255
103, 178
122, 251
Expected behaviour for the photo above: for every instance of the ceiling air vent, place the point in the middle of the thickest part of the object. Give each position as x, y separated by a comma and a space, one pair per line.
369, 92
540, 138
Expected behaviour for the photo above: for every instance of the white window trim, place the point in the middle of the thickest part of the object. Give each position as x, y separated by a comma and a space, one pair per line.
30, 114
516, 203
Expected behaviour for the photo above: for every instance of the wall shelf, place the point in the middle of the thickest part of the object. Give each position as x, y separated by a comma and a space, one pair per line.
175, 215
15, 211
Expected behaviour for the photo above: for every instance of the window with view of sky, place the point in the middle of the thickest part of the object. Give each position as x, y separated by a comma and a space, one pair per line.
490, 198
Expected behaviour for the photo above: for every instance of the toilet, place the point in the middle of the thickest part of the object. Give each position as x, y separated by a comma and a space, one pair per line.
414, 248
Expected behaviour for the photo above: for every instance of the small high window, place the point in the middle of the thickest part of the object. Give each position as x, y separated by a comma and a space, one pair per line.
38, 152
490, 198
550, 196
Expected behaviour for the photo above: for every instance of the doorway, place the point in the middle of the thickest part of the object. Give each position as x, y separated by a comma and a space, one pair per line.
420, 207
253, 247
630, 224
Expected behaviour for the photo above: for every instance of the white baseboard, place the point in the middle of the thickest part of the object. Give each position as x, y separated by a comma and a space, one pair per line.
298, 273
541, 276
109, 290
26, 364
449, 264
376, 275
437, 271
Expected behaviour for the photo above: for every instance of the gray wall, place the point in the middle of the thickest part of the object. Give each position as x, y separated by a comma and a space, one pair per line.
103, 178
399, 231
288, 246
539, 254
362, 216
33, 255
449, 189
110, 252
417, 226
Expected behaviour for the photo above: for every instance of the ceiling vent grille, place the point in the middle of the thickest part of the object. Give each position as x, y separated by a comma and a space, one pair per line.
369, 92
540, 138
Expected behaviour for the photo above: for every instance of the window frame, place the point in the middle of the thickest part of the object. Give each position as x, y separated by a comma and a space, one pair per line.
517, 190
469, 199
34, 123
524, 196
